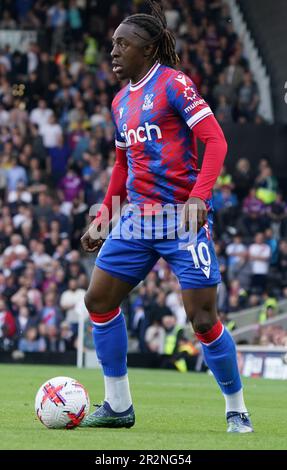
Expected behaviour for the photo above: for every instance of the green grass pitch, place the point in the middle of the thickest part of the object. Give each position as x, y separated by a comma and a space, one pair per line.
173, 411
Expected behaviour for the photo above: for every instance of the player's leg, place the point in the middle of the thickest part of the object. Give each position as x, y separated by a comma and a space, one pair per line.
219, 352
197, 270
105, 292
104, 295
218, 345
121, 264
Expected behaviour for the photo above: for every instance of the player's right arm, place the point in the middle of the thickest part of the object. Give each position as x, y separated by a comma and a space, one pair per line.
117, 187
91, 240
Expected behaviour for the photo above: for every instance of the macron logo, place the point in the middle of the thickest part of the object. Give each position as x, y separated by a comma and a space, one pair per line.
141, 134
181, 79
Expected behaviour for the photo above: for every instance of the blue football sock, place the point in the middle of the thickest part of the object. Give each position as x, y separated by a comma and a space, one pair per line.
220, 356
111, 345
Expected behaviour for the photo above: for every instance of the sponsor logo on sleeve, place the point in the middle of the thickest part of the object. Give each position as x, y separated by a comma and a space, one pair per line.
190, 93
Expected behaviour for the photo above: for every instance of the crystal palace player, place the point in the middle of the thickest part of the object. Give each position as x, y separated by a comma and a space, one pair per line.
158, 116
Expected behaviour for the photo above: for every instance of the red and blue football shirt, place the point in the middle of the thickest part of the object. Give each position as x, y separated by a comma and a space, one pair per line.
154, 120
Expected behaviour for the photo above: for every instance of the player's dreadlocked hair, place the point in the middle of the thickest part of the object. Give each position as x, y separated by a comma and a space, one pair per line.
155, 24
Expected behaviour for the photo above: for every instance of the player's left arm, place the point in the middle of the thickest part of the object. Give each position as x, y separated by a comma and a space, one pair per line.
186, 101
210, 133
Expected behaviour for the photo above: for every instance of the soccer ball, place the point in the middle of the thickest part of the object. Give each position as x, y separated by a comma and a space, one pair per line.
61, 402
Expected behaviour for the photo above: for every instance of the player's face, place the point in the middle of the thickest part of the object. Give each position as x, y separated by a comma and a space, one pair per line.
129, 53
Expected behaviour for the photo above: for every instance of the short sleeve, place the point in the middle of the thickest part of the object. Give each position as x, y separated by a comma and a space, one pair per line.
183, 97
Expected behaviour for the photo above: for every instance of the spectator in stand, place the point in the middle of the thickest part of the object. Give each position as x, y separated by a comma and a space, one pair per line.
32, 342
237, 256
50, 315
254, 300
24, 320
40, 116
178, 349
237, 290
43, 207
71, 187
15, 247
67, 337
221, 258
39, 256
175, 304
172, 16
20, 195
234, 73
234, 303
222, 298
224, 180
269, 309
277, 216
68, 302
223, 110
225, 204
253, 218
4, 114
223, 89
15, 174
259, 255
52, 133
271, 241
243, 179
37, 145
75, 23
58, 159
7, 22
159, 309
63, 219
2, 282
247, 98
267, 186
47, 72
155, 337
7, 326
57, 17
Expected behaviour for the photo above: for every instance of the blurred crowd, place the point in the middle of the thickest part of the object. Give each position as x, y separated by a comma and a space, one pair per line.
57, 154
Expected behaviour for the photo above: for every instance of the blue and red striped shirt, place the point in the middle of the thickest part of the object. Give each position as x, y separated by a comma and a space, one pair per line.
154, 120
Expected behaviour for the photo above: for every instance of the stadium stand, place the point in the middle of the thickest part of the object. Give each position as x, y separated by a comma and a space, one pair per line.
56, 157
268, 29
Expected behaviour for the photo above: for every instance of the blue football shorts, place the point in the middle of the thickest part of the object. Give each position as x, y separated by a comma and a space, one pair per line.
137, 242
